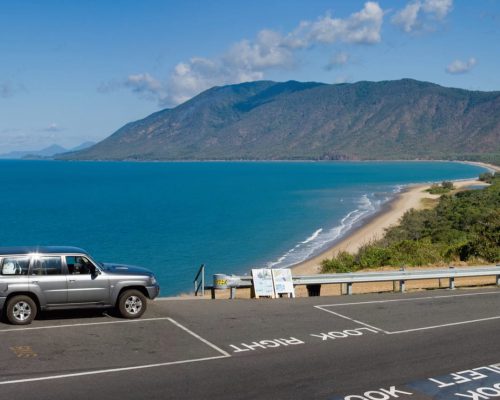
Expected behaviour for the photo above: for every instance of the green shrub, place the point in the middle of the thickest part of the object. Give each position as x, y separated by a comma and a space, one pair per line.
486, 177
447, 185
373, 256
464, 226
342, 262
414, 252
444, 188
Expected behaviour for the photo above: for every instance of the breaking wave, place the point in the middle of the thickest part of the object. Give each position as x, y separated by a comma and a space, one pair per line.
323, 238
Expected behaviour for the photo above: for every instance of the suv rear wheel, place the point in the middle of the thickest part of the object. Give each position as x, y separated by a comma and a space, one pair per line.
132, 304
20, 310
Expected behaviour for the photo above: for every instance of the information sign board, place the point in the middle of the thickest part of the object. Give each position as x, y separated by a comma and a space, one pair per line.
263, 282
283, 282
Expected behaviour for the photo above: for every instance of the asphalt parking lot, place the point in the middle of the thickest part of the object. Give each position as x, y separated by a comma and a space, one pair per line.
415, 345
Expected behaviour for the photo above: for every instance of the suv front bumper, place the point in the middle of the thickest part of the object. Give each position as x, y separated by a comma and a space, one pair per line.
153, 291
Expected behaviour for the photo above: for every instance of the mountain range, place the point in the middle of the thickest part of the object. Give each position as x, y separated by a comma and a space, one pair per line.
47, 152
265, 120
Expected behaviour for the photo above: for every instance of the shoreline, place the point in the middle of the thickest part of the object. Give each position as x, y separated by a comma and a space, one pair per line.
374, 226
490, 167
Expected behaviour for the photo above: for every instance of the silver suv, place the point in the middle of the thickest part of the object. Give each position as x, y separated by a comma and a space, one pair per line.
51, 278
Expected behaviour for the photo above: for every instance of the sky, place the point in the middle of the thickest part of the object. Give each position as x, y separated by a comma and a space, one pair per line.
76, 71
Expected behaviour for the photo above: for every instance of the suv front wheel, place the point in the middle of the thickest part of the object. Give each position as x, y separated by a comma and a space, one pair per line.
20, 310
132, 304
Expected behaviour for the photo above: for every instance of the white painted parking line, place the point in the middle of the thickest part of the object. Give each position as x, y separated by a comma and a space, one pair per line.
223, 354
108, 371
35, 328
325, 307
411, 299
443, 325
351, 319
213, 346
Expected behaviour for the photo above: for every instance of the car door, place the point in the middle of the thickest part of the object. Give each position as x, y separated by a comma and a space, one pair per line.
48, 280
84, 285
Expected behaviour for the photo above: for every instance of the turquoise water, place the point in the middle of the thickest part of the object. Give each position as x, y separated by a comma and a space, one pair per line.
171, 217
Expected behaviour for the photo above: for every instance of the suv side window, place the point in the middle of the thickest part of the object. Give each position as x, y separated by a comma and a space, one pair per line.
79, 265
47, 265
15, 265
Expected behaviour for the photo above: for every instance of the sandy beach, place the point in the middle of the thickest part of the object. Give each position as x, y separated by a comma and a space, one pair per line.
490, 167
412, 197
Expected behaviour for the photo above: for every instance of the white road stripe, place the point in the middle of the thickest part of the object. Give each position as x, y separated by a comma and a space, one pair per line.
35, 328
324, 308
352, 319
107, 371
223, 353
410, 299
213, 346
444, 325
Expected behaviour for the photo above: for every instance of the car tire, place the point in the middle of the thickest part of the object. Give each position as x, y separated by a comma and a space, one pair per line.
132, 304
20, 310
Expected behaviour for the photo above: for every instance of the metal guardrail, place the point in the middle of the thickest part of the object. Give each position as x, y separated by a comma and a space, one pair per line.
199, 281
314, 282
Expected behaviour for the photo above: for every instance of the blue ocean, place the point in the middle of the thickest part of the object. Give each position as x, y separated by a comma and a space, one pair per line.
172, 217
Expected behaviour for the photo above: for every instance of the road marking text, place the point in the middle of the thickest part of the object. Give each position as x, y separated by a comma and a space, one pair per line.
291, 341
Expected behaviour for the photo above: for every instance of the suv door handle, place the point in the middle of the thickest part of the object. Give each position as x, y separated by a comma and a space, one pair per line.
72, 280
34, 281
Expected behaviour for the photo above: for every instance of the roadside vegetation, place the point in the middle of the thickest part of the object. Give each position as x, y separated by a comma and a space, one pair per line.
444, 188
464, 226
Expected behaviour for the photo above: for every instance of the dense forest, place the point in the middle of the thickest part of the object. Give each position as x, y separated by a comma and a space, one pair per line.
464, 226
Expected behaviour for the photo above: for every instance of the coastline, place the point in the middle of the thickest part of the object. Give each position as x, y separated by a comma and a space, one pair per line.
489, 167
374, 227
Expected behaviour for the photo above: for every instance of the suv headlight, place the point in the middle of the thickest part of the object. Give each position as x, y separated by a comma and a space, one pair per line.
152, 280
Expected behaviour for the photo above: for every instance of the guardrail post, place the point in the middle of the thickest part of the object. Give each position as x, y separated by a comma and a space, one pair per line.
402, 283
203, 281
452, 281
498, 280
349, 288
200, 286
233, 293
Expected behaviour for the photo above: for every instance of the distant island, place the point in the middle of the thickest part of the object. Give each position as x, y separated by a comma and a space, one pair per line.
45, 153
264, 120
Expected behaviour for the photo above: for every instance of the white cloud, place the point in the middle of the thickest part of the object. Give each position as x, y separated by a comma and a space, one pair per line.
418, 15
439, 8
361, 27
267, 51
461, 67
338, 60
407, 18
144, 85
193, 77
249, 60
